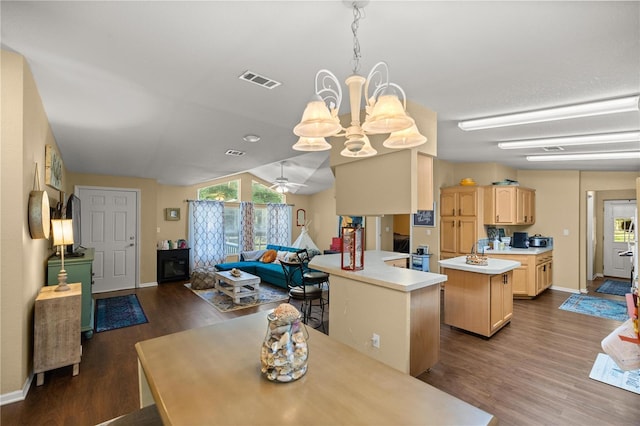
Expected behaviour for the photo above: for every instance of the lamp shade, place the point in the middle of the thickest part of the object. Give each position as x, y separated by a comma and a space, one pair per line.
62, 231
407, 138
387, 115
317, 121
312, 144
366, 149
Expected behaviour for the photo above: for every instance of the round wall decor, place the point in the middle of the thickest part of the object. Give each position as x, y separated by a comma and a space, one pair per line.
39, 215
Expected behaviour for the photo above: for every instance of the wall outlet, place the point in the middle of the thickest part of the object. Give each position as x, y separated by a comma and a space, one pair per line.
428, 231
375, 341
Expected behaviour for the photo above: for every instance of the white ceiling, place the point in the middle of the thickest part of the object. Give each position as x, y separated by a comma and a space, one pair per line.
151, 89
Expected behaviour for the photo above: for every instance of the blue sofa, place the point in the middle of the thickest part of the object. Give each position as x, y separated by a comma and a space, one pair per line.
271, 273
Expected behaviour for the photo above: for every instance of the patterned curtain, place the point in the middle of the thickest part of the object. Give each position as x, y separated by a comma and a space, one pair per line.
246, 226
279, 224
206, 233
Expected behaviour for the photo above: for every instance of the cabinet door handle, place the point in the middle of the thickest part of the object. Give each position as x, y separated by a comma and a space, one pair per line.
453, 223
498, 218
453, 212
459, 212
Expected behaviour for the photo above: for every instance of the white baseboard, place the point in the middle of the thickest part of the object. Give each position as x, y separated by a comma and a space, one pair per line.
151, 284
565, 289
598, 275
18, 395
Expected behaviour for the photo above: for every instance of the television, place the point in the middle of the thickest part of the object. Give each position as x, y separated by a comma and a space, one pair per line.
73, 213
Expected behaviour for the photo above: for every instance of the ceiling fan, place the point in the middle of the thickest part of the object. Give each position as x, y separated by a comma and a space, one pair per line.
282, 184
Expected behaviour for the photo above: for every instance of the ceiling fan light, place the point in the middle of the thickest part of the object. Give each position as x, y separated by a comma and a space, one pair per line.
282, 189
407, 138
387, 115
317, 121
311, 144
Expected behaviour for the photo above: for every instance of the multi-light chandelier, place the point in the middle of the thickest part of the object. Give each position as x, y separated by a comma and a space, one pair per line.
385, 109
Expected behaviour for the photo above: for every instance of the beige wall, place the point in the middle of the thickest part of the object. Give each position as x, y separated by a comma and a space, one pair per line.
25, 132
557, 210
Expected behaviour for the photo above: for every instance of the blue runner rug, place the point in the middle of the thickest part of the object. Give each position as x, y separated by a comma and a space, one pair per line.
597, 307
118, 312
619, 288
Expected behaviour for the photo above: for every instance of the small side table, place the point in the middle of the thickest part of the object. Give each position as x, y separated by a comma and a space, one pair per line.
57, 330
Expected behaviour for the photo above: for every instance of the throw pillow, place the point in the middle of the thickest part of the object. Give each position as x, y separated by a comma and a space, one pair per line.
269, 256
252, 255
282, 255
292, 257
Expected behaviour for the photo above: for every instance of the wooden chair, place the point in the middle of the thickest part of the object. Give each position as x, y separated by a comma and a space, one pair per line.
303, 290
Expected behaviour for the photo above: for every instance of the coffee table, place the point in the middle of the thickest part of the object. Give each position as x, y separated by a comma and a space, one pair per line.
237, 287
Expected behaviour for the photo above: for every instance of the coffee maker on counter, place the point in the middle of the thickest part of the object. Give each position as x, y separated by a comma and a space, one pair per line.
520, 240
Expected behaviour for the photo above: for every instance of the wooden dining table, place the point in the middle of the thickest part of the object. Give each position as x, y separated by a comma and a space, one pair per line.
211, 375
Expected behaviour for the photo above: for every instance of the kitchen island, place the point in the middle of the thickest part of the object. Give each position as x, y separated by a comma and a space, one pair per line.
478, 298
400, 306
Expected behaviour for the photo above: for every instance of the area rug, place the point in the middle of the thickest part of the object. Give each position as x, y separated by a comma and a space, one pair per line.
595, 306
224, 303
605, 370
118, 312
619, 288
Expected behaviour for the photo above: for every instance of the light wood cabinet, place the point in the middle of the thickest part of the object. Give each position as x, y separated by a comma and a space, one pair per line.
525, 206
461, 224
509, 205
479, 303
57, 330
533, 276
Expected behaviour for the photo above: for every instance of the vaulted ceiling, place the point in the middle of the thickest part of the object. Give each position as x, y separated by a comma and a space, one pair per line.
151, 89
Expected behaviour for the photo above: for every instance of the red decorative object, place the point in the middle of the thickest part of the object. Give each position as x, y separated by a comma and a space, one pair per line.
352, 248
336, 244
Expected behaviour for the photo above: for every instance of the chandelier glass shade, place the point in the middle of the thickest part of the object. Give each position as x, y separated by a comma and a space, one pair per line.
385, 109
311, 144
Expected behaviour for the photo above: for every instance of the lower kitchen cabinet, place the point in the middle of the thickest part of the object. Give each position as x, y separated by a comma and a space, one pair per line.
479, 303
534, 275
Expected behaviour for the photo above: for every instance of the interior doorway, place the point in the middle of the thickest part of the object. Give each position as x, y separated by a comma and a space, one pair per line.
618, 215
110, 225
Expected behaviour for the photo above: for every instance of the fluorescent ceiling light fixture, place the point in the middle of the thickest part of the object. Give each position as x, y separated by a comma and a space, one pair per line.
609, 106
621, 155
603, 138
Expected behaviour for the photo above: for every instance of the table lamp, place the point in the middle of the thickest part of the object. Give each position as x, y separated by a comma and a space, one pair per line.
62, 235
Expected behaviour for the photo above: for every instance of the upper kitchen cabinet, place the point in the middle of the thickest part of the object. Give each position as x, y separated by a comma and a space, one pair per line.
461, 221
509, 205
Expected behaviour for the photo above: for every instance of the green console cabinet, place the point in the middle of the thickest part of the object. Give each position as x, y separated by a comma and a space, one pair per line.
79, 270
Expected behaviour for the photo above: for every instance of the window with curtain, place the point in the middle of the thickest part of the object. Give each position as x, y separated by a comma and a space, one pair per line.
206, 233
279, 224
246, 226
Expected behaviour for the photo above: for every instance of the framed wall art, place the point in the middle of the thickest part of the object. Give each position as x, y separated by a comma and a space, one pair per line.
425, 217
353, 221
52, 168
171, 213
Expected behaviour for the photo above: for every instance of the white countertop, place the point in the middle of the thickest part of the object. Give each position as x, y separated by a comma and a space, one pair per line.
379, 273
494, 267
519, 251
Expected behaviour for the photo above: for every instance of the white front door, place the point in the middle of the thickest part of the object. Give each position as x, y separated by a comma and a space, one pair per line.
617, 214
109, 225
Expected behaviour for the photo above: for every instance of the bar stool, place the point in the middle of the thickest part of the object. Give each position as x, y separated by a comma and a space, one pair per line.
307, 292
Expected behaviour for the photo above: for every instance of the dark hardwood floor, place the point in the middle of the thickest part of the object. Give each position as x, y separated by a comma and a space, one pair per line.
533, 372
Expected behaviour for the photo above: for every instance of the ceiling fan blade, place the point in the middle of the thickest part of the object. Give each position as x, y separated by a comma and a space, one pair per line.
296, 184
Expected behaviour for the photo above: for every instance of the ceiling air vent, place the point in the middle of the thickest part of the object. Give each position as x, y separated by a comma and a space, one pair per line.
234, 152
258, 79
552, 148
